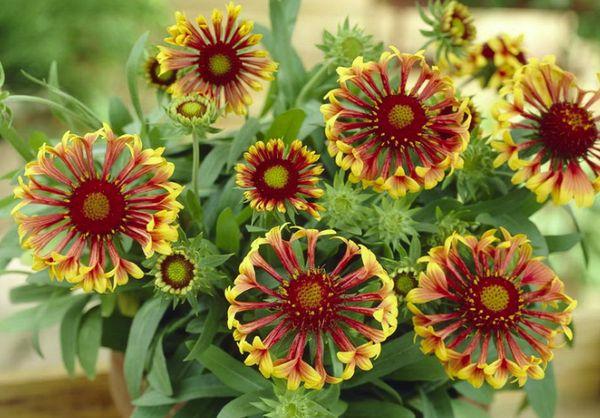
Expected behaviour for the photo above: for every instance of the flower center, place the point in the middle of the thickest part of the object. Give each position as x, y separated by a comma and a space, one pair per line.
191, 109
276, 177
494, 297
310, 298
97, 207
352, 47
492, 302
568, 130
177, 271
219, 64
399, 120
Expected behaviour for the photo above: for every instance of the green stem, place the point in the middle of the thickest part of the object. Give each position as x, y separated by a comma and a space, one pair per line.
57, 106
316, 79
195, 160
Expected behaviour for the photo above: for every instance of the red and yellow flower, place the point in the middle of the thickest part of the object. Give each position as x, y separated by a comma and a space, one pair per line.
273, 177
156, 77
393, 132
561, 138
88, 207
300, 301
490, 310
218, 59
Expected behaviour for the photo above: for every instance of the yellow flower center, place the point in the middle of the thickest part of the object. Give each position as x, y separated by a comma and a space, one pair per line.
494, 297
96, 206
276, 177
219, 64
401, 116
310, 295
192, 109
177, 271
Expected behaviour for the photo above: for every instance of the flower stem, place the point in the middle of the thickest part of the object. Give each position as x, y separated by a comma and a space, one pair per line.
315, 80
195, 160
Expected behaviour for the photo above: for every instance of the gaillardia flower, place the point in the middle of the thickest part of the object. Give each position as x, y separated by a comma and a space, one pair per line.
88, 207
280, 310
273, 177
390, 130
218, 59
490, 310
193, 111
176, 273
348, 43
561, 133
157, 78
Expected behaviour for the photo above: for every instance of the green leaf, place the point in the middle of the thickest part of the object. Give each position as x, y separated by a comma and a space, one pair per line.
483, 395
395, 354
33, 293
228, 232
464, 409
159, 374
209, 330
88, 340
560, 243
436, 404
211, 166
517, 224
16, 141
242, 140
24, 320
152, 412
142, 331
118, 115
108, 302
69, 330
133, 69
242, 406
2, 78
194, 207
287, 125
427, 369
231, 372
542, 394
381, 409
195, 387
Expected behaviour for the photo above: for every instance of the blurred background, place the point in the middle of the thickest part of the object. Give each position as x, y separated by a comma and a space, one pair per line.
90, 42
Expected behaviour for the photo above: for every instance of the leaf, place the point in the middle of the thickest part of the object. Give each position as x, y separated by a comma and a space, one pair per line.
464, 409
152, 412
436, 404
143, 327
69, 330
203, 386
287, 125
483, 395
133, 69
228, 232
2, 77
381, 409
542, 394
211, 166
118, 115
231, 372
395, 354
242, 140
427, 369
33, 293
24, 320
108, 302
517, 224
16, 141
209, 330
241, 406
159, 374
88, 340
194, 207
560, 243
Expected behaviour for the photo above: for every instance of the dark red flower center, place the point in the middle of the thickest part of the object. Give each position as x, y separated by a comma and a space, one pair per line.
568, 130
399, 120
310, 299
218, 63
97, 207
276, 179
177, 271
492, 302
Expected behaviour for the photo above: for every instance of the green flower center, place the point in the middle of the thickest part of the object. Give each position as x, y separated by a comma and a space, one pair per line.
192, 109
177, 271
494, 297
352, 47
401, 116
96, 206
219, 64
276, 177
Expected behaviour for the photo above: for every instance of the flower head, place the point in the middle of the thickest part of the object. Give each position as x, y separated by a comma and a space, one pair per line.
348, 43
561, 137
302, 299
490, 311
193, 111
88, 208
156, 77
389, 130
177, 273
218, 59
273, 177
344, 204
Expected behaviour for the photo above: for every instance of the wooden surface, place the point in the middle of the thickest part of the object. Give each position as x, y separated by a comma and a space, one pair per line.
58, 398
